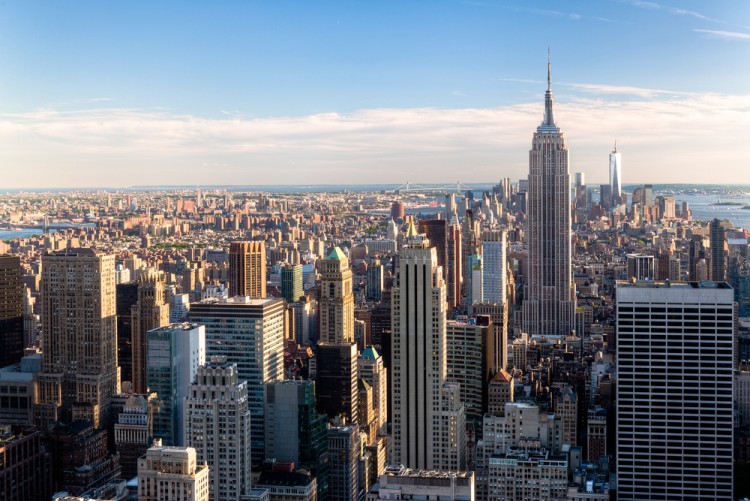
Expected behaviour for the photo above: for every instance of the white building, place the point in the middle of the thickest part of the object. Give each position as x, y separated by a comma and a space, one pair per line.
493, 266
404, 483
172, 474
674, 390
217, 426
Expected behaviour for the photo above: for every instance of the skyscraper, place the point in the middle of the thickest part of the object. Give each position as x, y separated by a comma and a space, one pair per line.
247, 269
217, 425
336, 299
674, 390
11, 311
250, 333
549, 300
337, 380
615, 176
148, 313
423, 406
291, 283
79, 336
493, 266
172, 474
718, 258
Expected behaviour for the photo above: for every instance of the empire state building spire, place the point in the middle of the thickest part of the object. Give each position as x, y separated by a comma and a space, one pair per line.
548, 124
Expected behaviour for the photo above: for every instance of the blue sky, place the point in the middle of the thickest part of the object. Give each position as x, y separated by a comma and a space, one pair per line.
124, 93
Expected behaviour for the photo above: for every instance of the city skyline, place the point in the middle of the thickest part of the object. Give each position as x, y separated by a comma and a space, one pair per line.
236, 93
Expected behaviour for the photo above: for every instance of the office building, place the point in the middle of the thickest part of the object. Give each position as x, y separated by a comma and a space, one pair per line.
25, 465
549, 300
79, 363
371, 368
19, 390
528, 472
343, 452
11, 311
336, 378
336, 299
247, 269
615, 176
498, 316
494, 267
674, 390
295, 431
640, 267
174, 353
470, 360
398, 482
133, 433
596, 435
291, 282
455, 265
421, 423
149, 312
500, 391
718, 256
375, 275
249, 333
566, 407
172, 474
217, 426
126, 298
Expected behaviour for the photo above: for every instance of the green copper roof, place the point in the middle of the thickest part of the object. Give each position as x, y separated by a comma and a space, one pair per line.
336, 255
370, 353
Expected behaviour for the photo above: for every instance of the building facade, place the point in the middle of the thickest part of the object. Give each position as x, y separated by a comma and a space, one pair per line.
247, 269
336, 299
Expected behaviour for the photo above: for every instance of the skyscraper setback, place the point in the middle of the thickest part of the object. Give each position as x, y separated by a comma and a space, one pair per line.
549, 300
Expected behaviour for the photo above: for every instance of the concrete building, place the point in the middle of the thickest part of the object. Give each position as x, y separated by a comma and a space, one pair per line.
126, 297
336, 299
149, 312
494, 267
718, 254
566, 407
470, 353
25, 465
421, 426
232, 326
174, 353
79, 366
371, 368
549, 300
675, 346
289, 486
133, 433
19, 390
343, 452
527, 473
500, 391
172, 474
217, 426
596, 435
398, 482
640, 267
498, 313
247, 269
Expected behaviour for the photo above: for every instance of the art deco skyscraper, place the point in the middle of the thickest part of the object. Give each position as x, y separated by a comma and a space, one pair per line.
247, 269
549, 301
150, 312
336, 299
428, 418
79, 336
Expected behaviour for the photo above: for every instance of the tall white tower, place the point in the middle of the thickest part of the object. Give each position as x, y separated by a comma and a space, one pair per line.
427, 415
549, 302
615, 174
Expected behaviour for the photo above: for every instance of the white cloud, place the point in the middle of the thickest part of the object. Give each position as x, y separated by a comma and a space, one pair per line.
664, 136
724, 35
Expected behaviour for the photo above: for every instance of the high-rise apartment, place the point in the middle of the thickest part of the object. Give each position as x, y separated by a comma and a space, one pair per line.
336, 299
421, 422
249, 333
150, 312
79, 336
247, 269
674, 390
217, 426
11, 311
549, 301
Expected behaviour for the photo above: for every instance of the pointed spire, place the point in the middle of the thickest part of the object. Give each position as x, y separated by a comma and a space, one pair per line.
548, 124
549, 71
615, 145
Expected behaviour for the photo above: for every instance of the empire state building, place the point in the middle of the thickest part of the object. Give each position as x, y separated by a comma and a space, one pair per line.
549, 299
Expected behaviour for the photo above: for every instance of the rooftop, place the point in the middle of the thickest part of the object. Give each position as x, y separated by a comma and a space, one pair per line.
650, 284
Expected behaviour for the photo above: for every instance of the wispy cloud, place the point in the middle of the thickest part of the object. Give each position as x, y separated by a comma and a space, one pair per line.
642, 92
659, 132
677, 11
724, 35
571, 16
